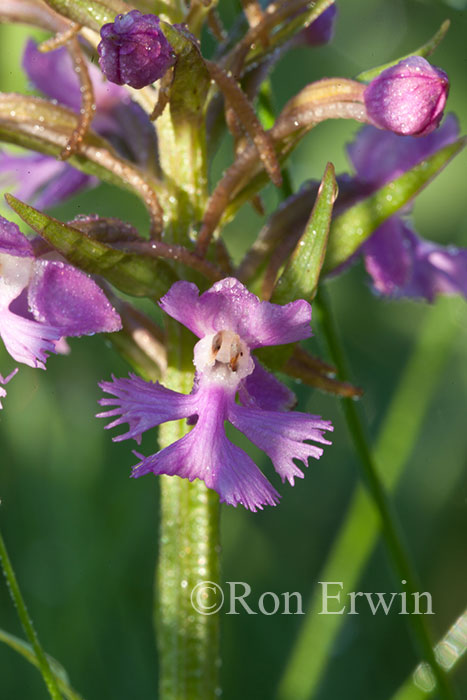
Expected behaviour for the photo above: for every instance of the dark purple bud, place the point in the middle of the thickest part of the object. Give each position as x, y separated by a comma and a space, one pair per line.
133, 50
408, 98
321, 30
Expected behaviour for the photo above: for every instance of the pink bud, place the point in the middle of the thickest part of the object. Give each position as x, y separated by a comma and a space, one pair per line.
408, 98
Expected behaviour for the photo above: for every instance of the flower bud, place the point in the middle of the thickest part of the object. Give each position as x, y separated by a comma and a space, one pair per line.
408, 98
134, 50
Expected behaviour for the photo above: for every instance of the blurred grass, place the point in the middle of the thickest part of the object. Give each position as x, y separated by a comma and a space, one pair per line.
82, 536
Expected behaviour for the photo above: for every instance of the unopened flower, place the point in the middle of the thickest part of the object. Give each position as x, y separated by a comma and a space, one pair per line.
230, 322
401, 263
46, 182
43, 300
408, 98
134, 50
321, 30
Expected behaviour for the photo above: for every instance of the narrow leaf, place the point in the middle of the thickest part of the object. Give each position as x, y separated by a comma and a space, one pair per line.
300, 277
37, 124
132, 273
449, 651
360, 529
27, 652
354, 226
367, 75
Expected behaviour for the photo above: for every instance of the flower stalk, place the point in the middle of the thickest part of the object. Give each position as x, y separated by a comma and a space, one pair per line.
188, 641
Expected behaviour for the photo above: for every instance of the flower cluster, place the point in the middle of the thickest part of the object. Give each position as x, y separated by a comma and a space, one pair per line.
230, 322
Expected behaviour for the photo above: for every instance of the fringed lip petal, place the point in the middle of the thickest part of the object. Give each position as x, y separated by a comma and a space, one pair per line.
3, 381
282, 436
26, 340
205, 453
229, 305
62, 296
143, 405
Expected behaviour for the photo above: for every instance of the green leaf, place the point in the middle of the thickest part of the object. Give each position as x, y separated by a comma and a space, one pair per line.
449, 651
130, 272
367, 75
360, 528
90, 13
191, 81
354, 226
27, 652
300, 277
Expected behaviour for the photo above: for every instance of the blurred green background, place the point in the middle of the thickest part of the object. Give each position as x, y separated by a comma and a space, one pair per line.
83, 537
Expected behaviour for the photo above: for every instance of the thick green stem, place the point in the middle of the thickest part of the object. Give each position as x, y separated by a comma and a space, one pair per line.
188, 640
389, 525
26, 622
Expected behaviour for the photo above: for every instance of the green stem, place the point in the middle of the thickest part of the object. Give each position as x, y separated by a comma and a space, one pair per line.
26, 622
188, 641
389, 525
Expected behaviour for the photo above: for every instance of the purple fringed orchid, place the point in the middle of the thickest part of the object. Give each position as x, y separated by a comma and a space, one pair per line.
408, 98
230, 322
43, 300
401, 263
43, 180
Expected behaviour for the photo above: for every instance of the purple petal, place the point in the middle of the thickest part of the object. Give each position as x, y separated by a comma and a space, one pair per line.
261, 389
41, 179
52, 74
228, 305
206, 454
26, 340
403, 265
143, 405
12, 241
4, 381
281, 436
380, 156
67, 299
387, 258
68, 182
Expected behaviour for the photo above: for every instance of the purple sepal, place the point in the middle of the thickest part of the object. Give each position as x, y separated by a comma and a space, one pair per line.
380, 156
61, 296
229, 305
261, 389
408, 98
321, 31
134, 50
12, 241
403, 265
